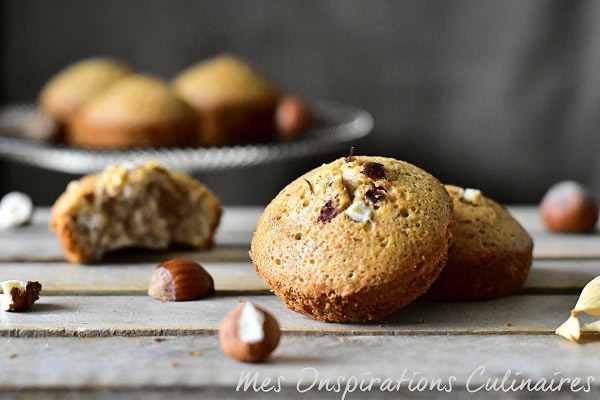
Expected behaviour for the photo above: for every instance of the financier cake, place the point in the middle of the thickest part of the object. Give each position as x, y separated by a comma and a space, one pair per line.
355, 239
490, 255
233, 102
137, 111
133, 205
67, 91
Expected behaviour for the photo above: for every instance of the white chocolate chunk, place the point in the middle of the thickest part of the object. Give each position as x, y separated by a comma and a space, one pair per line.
16, 209
472, 196
359, 212
250, 324
7, 286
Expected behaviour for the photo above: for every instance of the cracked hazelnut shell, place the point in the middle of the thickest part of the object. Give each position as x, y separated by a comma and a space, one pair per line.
249, 333
19, 295
180, 280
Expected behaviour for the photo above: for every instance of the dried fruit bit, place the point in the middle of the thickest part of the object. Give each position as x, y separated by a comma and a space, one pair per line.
569, 207
358, 212
373, 170
249, 333
16, 209
19, 295
374, 195
327, 212
589, 303
180, 280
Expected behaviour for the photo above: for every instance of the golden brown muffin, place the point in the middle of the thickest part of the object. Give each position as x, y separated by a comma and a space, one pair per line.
133, 205
72, 87
137, 111
354, 240
490, 255
234, 104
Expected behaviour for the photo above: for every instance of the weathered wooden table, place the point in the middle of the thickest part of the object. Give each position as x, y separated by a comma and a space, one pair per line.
95, 333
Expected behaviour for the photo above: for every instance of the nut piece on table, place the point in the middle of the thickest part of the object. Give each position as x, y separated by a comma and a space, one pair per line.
19, 295
249, 333
569, 207
43, 126
180, 280
292, 118
16, 209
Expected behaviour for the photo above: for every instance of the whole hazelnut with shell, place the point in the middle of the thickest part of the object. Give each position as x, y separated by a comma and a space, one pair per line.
292, 118
568, 207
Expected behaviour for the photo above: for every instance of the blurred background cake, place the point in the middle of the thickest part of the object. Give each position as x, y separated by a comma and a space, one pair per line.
137, 111
66, 92
233, 102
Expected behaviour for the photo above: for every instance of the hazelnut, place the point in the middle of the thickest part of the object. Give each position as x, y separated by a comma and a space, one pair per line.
19, 295
16, 209
568, 207
43, 126
180, 280
292, 118
249, 333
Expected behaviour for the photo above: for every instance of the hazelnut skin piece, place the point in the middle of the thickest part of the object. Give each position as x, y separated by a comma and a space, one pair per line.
568, 207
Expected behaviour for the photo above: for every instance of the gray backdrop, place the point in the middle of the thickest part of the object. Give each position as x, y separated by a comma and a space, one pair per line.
499, 95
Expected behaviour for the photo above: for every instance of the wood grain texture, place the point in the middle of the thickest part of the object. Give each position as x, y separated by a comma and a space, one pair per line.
546, 276
36, 243
124, 278
77, 340
144, 316
556, 245
197, 362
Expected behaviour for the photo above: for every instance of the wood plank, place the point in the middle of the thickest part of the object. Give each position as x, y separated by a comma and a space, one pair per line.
36, 243
546, 276
560, 276
197, 363
143, 316
119, 278
556, 245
